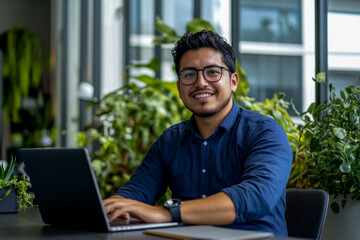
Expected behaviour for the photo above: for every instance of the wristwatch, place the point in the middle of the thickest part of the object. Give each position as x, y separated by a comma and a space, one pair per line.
173, 205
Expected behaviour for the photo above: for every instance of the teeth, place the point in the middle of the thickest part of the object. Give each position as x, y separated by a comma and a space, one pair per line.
203, 95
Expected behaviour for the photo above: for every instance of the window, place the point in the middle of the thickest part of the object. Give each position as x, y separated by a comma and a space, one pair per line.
176, 13
217, 12
272, 48
344, 49
270, 21
141, 30
342, 79
269, 74
275, 59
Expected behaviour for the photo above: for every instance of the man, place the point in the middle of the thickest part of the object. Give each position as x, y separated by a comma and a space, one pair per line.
228, 166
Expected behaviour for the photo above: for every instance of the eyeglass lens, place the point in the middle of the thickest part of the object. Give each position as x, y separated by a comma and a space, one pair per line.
211, 74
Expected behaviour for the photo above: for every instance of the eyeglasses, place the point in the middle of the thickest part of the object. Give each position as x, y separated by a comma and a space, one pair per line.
211, 74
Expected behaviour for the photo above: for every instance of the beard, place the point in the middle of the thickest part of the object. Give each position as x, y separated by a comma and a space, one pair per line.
209, 112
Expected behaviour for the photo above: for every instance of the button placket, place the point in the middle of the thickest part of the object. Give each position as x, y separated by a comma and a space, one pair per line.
203, 169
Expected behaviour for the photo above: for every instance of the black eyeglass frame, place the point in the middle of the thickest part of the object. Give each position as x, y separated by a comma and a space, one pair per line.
202, 70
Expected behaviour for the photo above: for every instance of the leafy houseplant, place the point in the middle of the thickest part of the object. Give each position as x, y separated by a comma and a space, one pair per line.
332, 134
9, 185
27, 109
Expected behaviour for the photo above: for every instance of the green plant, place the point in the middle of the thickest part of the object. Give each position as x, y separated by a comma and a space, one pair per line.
27, 108
332, 134
132, 117
22, 68
24, 199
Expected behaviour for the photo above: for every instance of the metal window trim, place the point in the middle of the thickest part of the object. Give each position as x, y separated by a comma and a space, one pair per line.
64, 70
83, 57
321, 48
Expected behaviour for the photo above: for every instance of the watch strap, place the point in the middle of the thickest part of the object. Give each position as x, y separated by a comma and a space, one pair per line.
175, 213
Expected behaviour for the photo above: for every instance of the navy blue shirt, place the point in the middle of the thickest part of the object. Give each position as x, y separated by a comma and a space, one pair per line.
248, 157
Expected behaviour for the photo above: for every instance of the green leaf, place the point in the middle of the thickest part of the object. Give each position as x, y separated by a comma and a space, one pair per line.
349, 151
314, 143
311, 108
335, 208
168, 35
353, 188
345, 167
320, 77
2, 172
198, 25
339, 132
9, 169
297, 113
342, 94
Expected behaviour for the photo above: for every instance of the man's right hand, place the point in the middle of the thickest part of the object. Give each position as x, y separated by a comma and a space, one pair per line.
110, 199
118, 206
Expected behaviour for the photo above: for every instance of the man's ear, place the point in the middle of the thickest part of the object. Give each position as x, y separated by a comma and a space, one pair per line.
178, 87
234, 81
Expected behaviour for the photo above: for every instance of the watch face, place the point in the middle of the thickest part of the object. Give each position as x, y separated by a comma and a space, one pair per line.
172, 202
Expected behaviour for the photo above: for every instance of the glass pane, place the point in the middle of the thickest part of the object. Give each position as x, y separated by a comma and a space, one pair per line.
269, 74
167, 65
217, 12
342, 79
142, 16
344, 48
270, 21
176, 13
141, 30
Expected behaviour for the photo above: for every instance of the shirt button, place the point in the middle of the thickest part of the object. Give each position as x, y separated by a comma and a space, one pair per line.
205, 143
204, 170
203, 196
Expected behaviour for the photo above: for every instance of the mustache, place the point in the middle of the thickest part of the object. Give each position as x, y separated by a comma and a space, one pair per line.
202, 90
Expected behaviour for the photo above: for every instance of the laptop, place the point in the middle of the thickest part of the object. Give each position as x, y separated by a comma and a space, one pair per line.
67, 193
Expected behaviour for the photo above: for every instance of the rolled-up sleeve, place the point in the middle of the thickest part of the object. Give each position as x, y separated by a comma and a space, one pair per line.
266, 170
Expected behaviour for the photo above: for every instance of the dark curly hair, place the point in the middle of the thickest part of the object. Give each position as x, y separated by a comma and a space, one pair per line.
204, 38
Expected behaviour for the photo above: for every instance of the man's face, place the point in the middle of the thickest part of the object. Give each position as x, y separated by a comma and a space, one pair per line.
205, 98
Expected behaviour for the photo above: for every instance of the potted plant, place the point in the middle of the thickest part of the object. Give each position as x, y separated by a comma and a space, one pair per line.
13, 191
332, 136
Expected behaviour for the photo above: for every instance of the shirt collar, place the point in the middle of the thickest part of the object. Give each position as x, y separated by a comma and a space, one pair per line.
230, 119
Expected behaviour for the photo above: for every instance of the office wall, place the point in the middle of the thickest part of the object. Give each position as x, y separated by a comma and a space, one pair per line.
34, 14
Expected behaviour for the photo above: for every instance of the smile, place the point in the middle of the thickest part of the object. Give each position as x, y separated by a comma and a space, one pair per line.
204, 95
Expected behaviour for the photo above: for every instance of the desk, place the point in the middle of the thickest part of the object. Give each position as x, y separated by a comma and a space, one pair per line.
28, 225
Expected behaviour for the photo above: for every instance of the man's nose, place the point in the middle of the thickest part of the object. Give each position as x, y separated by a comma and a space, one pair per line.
201, 81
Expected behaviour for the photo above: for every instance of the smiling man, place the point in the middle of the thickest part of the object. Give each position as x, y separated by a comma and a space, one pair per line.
225, 165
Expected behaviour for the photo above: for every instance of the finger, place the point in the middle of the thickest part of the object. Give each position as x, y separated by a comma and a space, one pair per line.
117, 213
125, 216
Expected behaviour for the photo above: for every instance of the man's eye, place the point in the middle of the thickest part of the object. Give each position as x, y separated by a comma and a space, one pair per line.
188, 75
212, 72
